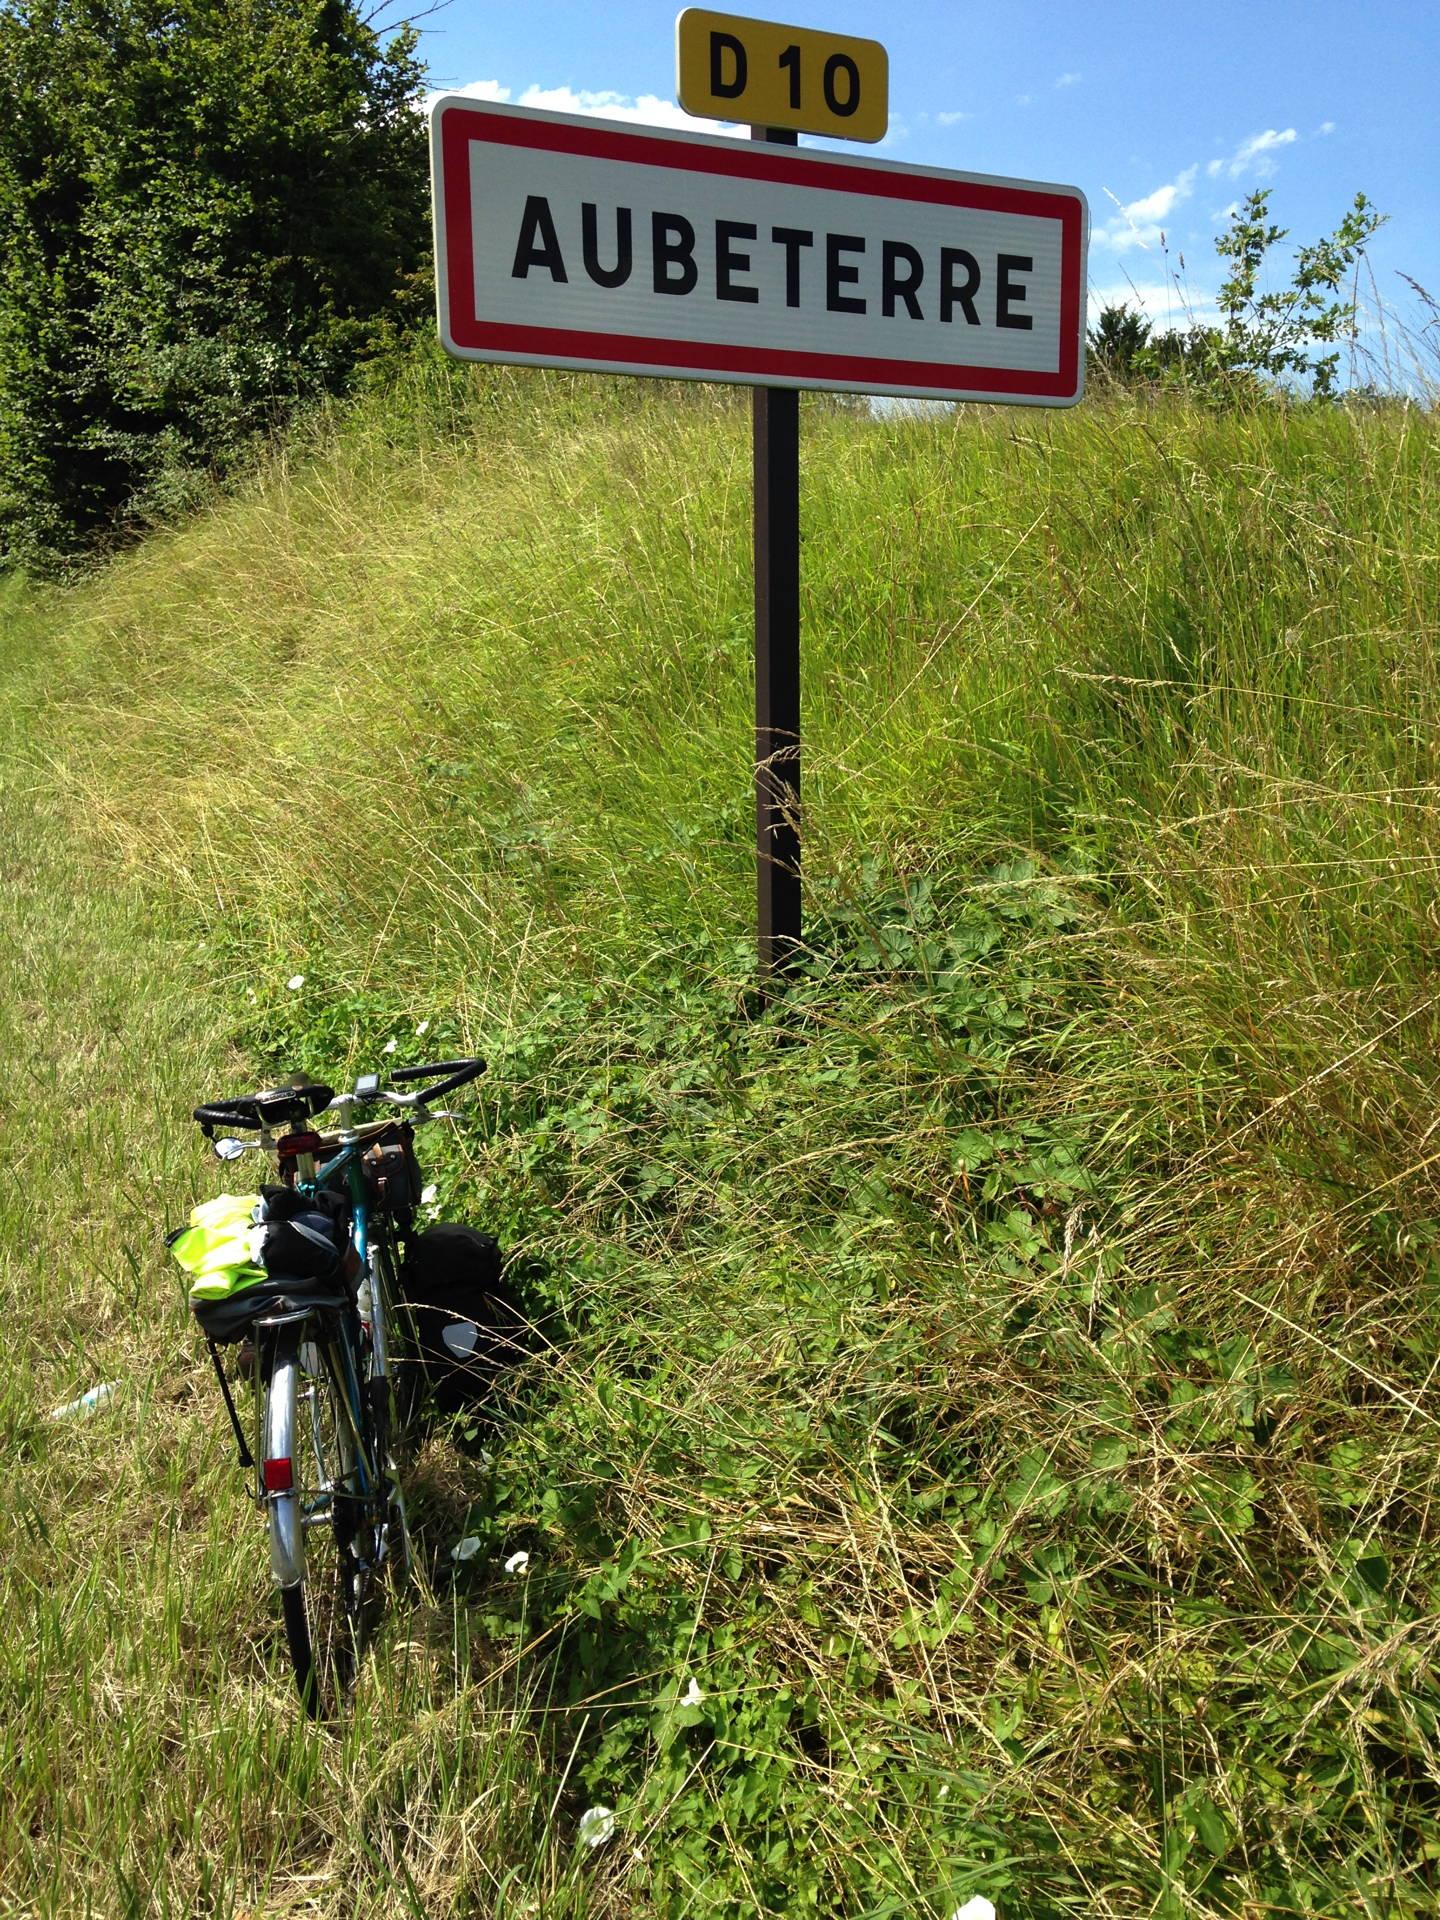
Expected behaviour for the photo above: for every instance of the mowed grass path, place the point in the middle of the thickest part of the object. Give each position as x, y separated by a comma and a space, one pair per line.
152, 1757
121, 1551
999, 1386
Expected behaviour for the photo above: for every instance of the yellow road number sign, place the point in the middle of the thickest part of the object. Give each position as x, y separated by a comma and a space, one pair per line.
774, 76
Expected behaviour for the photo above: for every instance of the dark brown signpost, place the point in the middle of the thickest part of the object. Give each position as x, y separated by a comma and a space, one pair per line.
777, 663
562, 241
821, 83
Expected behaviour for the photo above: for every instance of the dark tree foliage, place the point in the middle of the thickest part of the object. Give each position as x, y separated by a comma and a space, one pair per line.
1123, 348
210, 209
1117, 341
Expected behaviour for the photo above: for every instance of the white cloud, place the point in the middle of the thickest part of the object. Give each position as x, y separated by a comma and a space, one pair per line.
1141, 223
1069, 79
1165, 303
1253, 155
891, 406
477, 90
646, 109
1325, 127
1024, 99
953, 119
1163, 201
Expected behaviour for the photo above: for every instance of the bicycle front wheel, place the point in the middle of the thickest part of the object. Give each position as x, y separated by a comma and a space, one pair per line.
394, 1383
321, 1491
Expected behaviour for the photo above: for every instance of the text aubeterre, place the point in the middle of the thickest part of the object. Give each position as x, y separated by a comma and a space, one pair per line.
831, 272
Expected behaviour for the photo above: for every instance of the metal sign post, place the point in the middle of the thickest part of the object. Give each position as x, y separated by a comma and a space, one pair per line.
777, 663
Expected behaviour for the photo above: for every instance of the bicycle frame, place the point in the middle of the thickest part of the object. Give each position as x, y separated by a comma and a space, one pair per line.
253, 1453
377, 1280
309, 1177
381, 1305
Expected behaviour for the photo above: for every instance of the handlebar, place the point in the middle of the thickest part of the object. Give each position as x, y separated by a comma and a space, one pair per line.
281, 1107
294, 1106
461, 1073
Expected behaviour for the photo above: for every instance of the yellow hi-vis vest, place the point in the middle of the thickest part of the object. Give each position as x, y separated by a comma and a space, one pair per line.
215, 1249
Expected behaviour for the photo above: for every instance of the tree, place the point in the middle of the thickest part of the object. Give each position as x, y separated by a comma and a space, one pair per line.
1265, 340
1273, 333
1117, 341
212, 209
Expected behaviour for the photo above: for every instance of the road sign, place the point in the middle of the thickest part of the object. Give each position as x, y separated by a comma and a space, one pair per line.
774, 76
574, 242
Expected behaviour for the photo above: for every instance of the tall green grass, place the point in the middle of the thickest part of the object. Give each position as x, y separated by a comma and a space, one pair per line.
980, 1430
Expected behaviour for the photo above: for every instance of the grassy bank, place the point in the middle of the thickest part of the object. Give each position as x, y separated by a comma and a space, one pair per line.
980, 1436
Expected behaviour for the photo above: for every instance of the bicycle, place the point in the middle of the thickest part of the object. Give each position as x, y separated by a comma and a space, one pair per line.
331, 1352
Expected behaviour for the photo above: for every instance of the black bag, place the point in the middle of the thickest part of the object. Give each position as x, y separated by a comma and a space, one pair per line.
305, 1237
309, 1259
468, 1322
233, 1318
392, 1176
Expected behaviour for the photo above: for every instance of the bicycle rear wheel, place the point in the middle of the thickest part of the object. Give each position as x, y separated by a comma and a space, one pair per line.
322, 1495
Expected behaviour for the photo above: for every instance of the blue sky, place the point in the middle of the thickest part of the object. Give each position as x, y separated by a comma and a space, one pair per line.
1163, 114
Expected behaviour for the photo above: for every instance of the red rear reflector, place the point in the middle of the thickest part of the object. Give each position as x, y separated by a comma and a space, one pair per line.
279, 1476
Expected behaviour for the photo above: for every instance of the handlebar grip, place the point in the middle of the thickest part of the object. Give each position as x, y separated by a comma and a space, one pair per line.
279, 1107
460, 1073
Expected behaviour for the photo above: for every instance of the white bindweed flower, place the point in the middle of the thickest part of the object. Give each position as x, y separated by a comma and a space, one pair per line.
597, 1824
429, 1195
295, 982
978, 1908
692, 1695
422, 1029
467, 1548
389, 1047
518, 1562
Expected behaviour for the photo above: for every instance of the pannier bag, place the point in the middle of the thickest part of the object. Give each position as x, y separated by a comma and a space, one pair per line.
392, 1176
247, 1254
468, 1322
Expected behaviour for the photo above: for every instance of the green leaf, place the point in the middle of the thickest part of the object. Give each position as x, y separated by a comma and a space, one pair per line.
1211, 1826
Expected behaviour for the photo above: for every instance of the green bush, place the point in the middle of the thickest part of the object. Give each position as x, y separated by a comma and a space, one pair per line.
211, 211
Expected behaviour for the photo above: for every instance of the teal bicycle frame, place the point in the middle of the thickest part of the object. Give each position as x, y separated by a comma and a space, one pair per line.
288, 1519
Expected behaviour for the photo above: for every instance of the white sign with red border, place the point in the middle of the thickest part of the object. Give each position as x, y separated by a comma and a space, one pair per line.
569, 242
